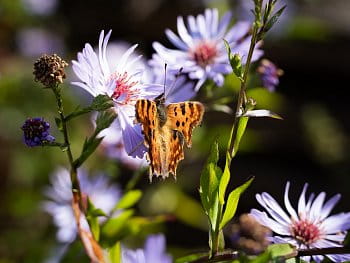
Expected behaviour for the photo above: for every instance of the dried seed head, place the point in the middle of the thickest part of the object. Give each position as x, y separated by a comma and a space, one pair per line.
49, 70
249, 236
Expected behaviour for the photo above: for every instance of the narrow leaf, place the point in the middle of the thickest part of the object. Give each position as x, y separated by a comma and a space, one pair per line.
115, 253
104, 120
232, 202
114, 225
224, 180
92, 211
273, 19
205, 180
235, 61
100, 103
94, 226
128, 200
89, 147
281, 250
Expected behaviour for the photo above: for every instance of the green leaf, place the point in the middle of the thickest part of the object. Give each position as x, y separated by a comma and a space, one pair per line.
270, 23
209, 184
232, 202
115, 253
235, 61
94, 226
242, 124
114, 225
206, 182
129, 199
89, 147
262, 258
100, 103
279, 251
93, 211
191, 257
224, 180
104, 120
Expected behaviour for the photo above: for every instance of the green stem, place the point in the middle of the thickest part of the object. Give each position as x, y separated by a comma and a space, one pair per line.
241, 97
233, 136
73, 169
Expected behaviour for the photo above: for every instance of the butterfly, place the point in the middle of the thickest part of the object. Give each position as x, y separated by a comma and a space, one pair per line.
166, 129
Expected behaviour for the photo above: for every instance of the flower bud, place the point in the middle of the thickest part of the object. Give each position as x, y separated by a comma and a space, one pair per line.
36, 132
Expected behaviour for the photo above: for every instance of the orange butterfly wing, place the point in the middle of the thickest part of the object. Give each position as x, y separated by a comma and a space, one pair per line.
146, 114
165, 129
184, 117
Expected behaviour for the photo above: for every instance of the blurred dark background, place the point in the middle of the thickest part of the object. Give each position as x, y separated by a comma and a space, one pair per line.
311, 44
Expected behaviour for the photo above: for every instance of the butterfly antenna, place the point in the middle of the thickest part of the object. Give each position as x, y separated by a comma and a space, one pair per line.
165, 66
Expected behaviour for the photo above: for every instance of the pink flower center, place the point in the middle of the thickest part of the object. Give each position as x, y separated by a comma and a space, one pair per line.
204, 53
305, 232
124, 90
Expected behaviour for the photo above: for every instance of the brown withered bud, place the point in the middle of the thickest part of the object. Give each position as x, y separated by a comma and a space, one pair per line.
49, 70
250, 236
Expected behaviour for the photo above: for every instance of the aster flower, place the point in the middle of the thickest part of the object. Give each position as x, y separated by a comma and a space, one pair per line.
308, 227
101, 193
122, 84
269, 74
154, 251
200, 47
36, 132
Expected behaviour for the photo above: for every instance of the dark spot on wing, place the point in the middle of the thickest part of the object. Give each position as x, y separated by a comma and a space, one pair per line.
177, 123
183, 108
183, 124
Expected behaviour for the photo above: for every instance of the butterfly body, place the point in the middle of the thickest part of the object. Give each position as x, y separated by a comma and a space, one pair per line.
166, 129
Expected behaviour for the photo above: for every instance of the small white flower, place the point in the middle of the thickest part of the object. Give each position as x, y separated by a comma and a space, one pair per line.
122, 84
309, 227
101, 193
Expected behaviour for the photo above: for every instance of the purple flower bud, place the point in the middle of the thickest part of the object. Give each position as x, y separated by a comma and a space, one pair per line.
36, 132
269, 74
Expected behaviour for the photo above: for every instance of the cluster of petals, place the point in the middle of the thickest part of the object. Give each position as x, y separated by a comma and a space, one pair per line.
311, 226
122, 83
200, 48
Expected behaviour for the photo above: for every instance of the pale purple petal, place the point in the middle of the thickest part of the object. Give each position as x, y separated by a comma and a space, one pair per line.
275, 226
289, 207
328, 206
336, 223
302, 201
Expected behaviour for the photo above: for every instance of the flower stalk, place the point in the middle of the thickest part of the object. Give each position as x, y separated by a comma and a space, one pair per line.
63, 128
